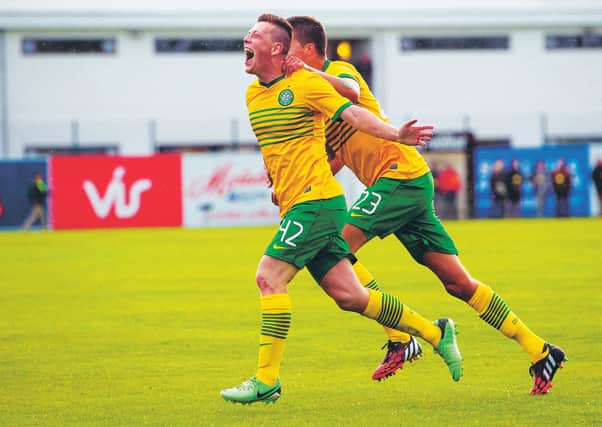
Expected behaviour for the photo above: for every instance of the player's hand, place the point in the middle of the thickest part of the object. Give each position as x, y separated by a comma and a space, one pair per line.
274, 198
292, 64
415, 135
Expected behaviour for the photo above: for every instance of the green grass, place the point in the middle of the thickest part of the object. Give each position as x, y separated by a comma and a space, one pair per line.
144, 327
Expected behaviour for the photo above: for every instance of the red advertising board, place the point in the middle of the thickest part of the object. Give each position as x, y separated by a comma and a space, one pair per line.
115, 191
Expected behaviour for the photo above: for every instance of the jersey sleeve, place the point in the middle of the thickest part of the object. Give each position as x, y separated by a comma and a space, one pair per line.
321, 96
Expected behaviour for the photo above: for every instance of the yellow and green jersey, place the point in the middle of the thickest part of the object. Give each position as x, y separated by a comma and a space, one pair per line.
287, 117
368, 157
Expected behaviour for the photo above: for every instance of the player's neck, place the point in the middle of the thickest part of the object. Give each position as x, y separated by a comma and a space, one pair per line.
266, 78
271, 73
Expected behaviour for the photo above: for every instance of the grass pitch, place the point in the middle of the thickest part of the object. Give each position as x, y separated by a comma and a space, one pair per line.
144, 327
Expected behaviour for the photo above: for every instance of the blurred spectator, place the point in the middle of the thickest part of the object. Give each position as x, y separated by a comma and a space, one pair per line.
514, 182
497, 183
449, 183
540, 180
434, 166
597, 178
561, 181
36, 193
364, 66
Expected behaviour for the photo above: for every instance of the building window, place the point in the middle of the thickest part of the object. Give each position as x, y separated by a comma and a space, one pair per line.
46, 150
69, 46
206, 148
356, 51
586, 40
455, 43
190, 45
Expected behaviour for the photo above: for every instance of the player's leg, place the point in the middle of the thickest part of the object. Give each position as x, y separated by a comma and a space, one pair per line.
431, 245
381, 209
366, 219
273, 276
401, 347
301, 236
292, 246
340, 282
492, 309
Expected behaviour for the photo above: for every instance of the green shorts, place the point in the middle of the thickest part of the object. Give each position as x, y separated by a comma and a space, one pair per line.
404, 208
310, 235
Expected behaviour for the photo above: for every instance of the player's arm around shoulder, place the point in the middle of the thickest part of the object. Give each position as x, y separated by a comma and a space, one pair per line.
345, 86
319, 95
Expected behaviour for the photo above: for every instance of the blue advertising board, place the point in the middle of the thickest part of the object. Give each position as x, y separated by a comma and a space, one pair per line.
576, 157
15, 179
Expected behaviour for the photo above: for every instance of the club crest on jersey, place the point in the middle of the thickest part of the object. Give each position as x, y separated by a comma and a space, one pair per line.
286, 97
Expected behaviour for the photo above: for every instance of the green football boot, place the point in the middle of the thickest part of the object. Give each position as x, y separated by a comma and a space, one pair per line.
448, 348
251, 391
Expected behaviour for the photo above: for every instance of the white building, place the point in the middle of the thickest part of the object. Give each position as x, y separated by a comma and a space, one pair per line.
532, 70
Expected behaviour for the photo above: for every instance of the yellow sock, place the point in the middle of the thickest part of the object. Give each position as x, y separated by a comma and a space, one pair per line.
367, 280
275, 322
493, 310
389, 311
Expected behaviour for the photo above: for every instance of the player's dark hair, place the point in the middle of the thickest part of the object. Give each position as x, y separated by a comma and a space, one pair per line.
284, 33
308, 29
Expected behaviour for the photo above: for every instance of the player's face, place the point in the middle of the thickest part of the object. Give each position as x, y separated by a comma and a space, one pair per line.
257, 46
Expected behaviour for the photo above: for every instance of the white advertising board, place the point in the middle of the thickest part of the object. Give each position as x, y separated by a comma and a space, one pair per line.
226, 189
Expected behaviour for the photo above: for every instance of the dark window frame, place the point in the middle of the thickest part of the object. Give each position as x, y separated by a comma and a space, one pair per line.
454, 43
584, 40
69, 45
65, 149
192, 45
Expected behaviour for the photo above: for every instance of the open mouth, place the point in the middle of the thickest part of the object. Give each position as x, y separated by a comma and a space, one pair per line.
249, 54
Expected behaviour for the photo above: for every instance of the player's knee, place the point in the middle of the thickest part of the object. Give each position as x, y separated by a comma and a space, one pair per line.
264, 284
462, 287
347, 301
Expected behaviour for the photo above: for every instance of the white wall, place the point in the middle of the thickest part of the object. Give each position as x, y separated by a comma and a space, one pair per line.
503, 92
191, 96
196, 97
3, 100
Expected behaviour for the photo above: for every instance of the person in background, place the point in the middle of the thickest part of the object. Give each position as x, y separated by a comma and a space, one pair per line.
497, 183
561, 182
37, 193
450, 184
540, 180
514, 182
438, 199
597, 178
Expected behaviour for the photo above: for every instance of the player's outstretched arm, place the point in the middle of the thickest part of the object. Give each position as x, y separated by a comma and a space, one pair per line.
369, 123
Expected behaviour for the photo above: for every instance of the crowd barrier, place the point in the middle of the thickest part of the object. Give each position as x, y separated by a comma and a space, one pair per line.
580, 160
225, 189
